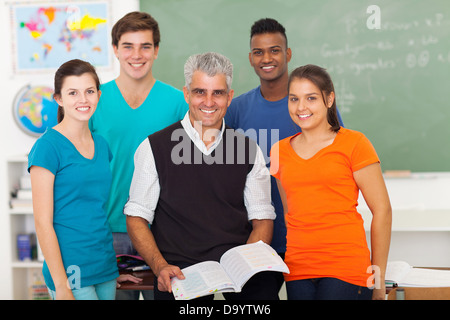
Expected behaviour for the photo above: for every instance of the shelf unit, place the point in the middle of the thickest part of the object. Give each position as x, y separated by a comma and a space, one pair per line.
27, 279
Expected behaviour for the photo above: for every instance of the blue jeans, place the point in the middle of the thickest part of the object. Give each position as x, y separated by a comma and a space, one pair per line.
122, 245
101, 291
326, 289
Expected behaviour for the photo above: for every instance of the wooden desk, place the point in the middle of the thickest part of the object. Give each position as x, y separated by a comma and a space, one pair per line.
415, 293
422, 293
146, 284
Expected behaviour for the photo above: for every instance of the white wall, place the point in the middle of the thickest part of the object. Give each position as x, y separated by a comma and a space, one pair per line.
13, 141
420, 219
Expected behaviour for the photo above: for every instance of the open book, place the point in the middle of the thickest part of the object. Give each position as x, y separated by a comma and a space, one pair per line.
236, 266
400, 273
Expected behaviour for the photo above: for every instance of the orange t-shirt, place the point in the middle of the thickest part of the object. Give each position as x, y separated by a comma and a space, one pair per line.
325, 233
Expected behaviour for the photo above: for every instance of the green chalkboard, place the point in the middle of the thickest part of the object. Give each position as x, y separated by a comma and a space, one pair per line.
390, 64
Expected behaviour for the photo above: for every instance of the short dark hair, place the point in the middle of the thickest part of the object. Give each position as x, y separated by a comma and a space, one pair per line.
75, 67
135, 21
322, 79
267, 25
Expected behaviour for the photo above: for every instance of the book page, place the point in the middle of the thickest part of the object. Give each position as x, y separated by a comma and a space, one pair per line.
242, 262
421, 277
201, 279
395, 271
404, 275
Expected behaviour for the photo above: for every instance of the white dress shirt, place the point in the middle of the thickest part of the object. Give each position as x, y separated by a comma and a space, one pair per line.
145, 188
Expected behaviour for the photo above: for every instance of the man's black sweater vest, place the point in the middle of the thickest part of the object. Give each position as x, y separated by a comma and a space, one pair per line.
200, 213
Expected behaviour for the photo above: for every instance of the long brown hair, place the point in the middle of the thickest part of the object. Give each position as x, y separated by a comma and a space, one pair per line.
73, 67
320, 77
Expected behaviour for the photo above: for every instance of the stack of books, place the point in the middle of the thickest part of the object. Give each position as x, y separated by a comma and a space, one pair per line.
22, 198
38, 289
26, 247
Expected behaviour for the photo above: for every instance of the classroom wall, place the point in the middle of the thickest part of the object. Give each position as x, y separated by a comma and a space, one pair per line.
390, 79
391, 82
13, 141
420, 219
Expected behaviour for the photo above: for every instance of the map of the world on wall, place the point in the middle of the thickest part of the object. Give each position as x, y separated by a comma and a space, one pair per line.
35, 110
48, 34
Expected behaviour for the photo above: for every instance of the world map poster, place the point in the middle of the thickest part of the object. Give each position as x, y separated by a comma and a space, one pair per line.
47, 34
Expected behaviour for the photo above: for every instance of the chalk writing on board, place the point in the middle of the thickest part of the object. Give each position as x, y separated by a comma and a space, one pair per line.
353, 25
344, 96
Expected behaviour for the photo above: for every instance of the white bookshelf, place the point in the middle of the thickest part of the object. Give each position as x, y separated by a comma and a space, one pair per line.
25, 273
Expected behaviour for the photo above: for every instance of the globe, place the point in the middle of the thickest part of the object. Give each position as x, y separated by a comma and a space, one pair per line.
35, 109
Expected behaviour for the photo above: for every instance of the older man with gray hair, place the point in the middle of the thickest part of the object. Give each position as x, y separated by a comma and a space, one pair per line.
203, 187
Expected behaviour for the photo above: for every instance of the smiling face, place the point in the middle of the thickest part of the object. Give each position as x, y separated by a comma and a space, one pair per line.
269, 56
79, 97
208, 98
136, 52
307, 107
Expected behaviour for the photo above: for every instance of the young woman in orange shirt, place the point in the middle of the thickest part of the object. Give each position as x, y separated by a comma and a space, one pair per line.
320, 173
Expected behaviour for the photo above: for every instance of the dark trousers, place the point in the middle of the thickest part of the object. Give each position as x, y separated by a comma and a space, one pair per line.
326, 289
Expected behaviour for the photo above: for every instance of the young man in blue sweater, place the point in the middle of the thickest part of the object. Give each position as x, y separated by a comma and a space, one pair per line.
262, 113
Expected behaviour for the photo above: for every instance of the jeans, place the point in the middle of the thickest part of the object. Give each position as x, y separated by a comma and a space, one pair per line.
101, 291
122, 245
326, 289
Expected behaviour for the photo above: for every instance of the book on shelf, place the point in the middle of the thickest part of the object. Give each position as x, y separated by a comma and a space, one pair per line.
25, 182
21, 196
15, 203
26, 247
24, 194
235, 268
37, 289
401, 274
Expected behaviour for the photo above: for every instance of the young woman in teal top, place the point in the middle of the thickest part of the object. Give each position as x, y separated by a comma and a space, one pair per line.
71, 179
